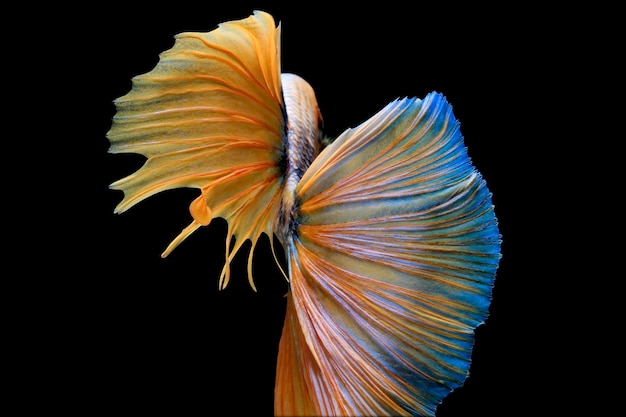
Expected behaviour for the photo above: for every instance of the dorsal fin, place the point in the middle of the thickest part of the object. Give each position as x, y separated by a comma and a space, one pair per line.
210, 116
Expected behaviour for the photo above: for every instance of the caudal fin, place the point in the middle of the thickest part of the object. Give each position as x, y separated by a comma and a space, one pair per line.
391, 268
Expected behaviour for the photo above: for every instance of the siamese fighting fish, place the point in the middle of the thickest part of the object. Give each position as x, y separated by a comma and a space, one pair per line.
389, 232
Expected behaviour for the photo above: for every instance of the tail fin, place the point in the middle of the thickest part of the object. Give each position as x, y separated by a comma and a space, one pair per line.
391, 268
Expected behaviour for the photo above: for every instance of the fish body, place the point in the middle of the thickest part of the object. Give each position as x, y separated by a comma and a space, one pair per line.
303, 144
389, 231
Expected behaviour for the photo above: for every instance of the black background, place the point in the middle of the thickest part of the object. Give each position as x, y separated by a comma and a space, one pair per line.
136, 333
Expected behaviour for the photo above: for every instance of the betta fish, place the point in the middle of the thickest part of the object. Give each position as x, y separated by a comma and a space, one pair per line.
389, 232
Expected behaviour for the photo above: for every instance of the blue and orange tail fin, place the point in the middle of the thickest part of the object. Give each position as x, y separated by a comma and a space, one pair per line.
392, 264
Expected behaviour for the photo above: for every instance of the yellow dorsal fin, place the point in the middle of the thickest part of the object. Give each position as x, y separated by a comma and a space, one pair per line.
210, 115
